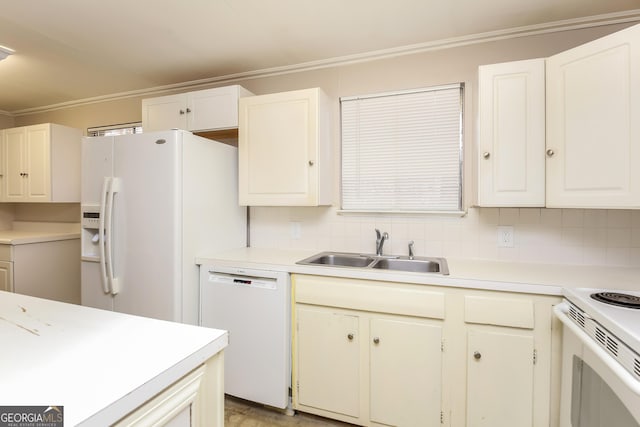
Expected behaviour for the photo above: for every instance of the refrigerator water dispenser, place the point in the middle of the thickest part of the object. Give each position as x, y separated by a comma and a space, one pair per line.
90, 235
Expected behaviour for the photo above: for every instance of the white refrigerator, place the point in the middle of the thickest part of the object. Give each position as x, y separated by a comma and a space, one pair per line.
151, 203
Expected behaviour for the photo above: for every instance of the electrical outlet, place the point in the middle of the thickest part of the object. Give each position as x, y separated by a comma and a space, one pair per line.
296, 230
505, 237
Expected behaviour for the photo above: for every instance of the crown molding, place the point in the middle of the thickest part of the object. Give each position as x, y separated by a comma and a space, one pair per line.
516, 32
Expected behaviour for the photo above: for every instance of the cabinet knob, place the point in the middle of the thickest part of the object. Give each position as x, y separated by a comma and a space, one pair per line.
550, 152
181, 112
486, 154
311, 163
477, 355
376, 340
350, 337
188, 110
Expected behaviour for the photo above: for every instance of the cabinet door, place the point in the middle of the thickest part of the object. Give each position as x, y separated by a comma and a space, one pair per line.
213, 109
14, 154
499, 379
37, 163
277, 147
406, 372
512, 134
593, 131
164, 112
6, 276
328, 360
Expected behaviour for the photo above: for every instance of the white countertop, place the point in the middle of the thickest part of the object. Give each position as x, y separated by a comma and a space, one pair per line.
18, 237
24, 232
546, 279
99, 365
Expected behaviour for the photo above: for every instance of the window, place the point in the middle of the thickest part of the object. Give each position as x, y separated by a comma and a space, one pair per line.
111, 130
402, 151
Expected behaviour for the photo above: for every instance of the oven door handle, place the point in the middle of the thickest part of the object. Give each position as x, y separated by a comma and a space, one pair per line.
561, 310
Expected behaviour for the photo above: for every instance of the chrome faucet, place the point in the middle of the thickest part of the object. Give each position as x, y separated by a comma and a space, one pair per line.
411, 249
380, 238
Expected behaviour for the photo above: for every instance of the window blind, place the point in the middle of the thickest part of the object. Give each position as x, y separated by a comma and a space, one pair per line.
111, 130
402, 151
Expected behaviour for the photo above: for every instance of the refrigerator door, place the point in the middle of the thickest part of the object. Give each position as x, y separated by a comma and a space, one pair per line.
97, 164
146, 232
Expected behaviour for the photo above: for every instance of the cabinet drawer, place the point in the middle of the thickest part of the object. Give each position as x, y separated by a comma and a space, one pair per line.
517, 313
381, 297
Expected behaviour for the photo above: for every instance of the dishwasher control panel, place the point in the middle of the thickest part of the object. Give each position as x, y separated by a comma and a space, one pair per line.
232, 279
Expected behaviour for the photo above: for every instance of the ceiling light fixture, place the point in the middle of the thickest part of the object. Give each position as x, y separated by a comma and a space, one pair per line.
5, 51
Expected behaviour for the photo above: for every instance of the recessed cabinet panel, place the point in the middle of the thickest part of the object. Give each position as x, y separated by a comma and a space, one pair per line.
512, 134
328, 359
275, 164
38, 167
164, 112
6, 276
499, 379
406, 372
593, 134
14, 149
284, 149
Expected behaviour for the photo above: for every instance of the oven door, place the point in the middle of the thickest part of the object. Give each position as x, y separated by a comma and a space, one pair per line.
596, 390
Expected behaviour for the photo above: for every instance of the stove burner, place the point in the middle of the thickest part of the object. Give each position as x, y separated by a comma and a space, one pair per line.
613, 298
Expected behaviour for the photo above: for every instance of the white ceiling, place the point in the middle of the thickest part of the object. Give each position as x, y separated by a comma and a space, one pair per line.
70, 50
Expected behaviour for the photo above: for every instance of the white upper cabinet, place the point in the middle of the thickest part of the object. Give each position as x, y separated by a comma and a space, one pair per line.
203, 110
511, 134
41, 163
284, 149
576, 147
593, 124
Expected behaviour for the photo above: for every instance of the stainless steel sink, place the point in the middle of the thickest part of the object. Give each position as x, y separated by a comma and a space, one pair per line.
339, 259
396, 263
416, 265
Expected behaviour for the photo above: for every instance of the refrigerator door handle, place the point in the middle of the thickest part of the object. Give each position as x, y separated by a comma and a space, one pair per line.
106, 184
114, 282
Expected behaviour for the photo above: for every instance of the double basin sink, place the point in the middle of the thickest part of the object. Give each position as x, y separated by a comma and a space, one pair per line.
394, 263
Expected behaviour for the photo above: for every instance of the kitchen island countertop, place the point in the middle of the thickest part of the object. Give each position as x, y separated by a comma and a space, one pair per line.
99, 365
545, 279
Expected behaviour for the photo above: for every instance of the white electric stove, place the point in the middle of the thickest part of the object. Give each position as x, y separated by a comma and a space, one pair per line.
601, 358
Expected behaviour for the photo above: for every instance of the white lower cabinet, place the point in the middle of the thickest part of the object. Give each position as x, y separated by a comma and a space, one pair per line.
195, 400
369, 364
379, 353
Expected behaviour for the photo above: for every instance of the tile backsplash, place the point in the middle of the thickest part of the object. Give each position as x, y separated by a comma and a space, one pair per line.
556, 236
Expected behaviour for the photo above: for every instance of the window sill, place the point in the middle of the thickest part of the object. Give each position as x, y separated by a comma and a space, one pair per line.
402, 213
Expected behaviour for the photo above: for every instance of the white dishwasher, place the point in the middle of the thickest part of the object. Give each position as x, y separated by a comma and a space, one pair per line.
255, 307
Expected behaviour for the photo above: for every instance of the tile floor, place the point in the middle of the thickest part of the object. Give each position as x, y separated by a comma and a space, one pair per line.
240, 413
